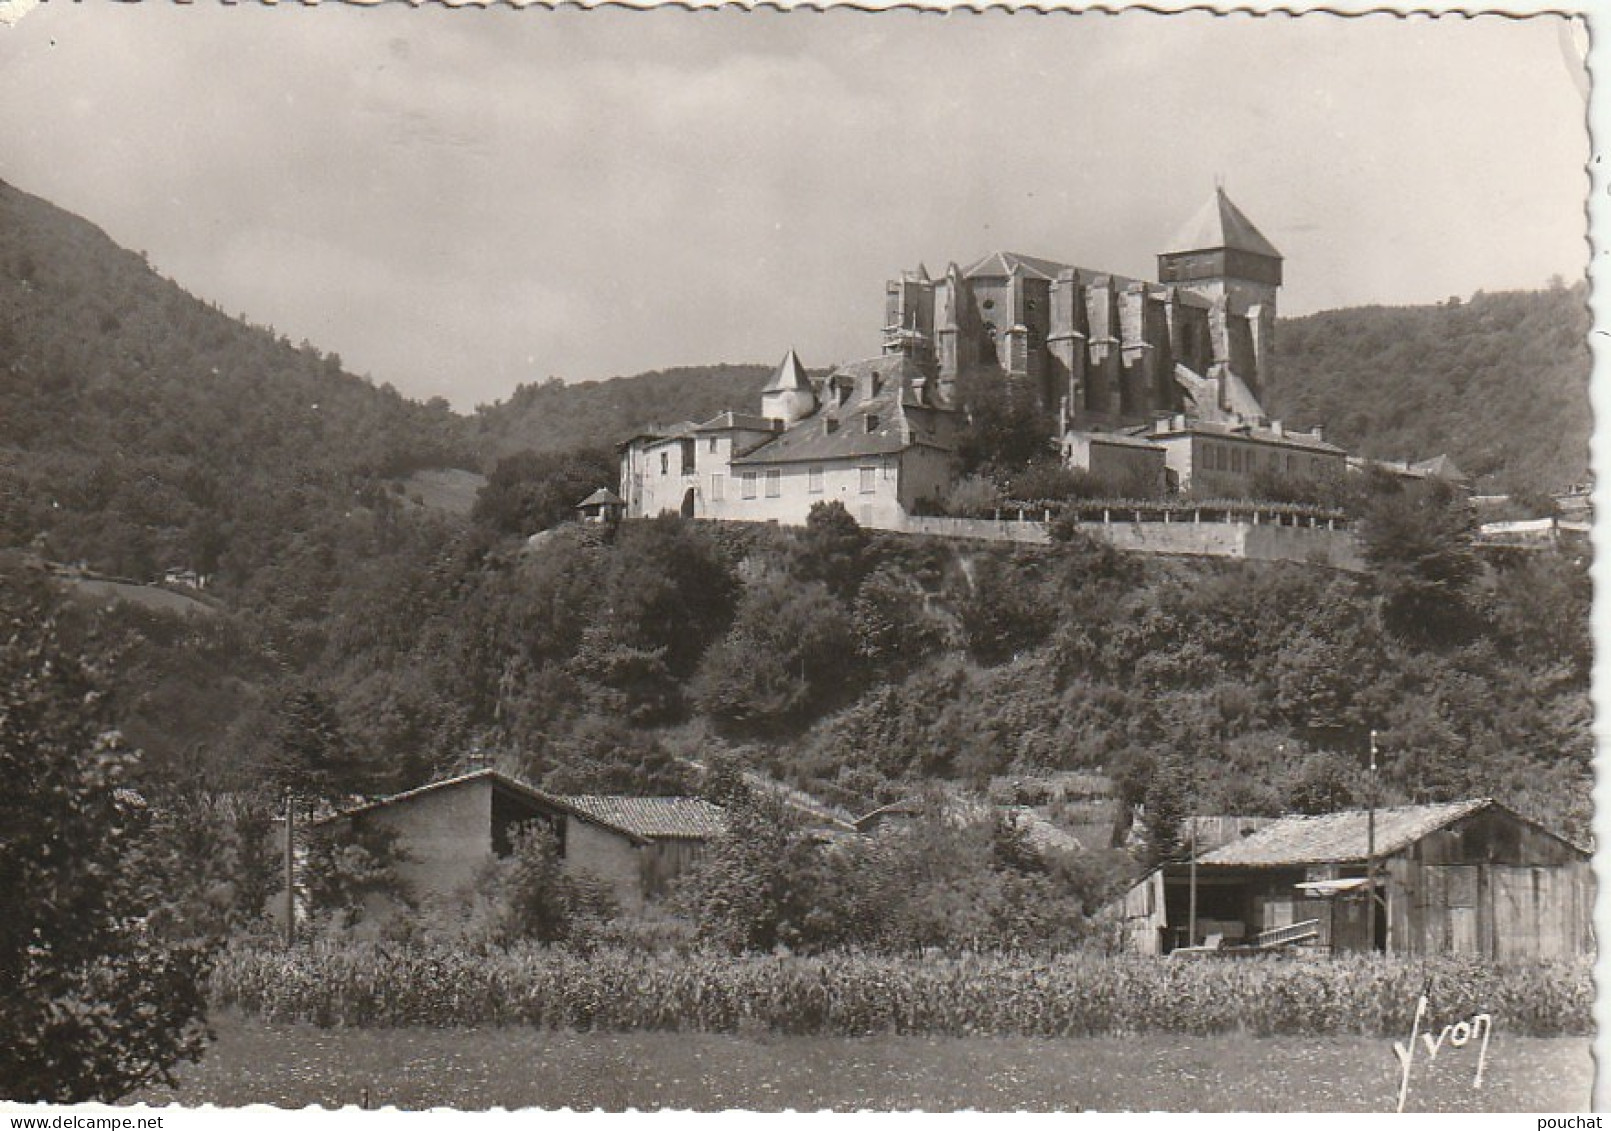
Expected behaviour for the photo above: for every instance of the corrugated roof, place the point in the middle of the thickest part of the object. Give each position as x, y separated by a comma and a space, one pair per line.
1220, 224
685, 818
1340, 836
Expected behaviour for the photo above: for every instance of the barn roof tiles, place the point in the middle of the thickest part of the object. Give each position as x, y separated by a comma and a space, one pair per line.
684, 818
1335, 837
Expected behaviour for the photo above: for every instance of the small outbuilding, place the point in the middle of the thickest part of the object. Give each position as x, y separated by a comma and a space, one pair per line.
1467, 877
602, 506
448, 831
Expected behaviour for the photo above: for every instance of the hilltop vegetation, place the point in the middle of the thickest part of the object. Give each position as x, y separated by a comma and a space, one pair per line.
1499, 383
140, 428
555, 416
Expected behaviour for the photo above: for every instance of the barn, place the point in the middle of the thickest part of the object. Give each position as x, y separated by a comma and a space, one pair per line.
449, 830
1467, 877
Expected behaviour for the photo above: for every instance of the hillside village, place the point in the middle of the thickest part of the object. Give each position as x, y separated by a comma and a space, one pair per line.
1154, 390
879, 668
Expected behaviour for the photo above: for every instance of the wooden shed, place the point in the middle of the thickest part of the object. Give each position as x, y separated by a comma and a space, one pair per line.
1467, 877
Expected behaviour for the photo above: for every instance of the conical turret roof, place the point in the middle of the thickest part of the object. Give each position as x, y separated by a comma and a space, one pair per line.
790, 375
1220, 224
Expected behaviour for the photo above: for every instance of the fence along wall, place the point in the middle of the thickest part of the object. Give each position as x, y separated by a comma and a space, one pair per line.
1263, 541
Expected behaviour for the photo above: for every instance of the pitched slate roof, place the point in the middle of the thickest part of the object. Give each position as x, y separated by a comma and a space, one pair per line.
1441, 467
602, 497
1120, 439
840, 432
1220, 224
1246, 432
789, 375
656, 818
1000, 264
1339, 836
737, 421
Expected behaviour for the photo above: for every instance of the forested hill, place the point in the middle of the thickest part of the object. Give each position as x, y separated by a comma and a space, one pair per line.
1500, 383
555, 416
142, 428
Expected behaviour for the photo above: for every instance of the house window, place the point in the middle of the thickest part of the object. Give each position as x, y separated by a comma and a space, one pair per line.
889, 473
665, 463
830, 426
872, 423
687, 456
814, 480
869, 480
844, 392
774, 483
718, 486
711, 446
748, 484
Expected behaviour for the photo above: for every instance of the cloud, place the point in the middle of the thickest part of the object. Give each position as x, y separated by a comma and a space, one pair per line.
442, 196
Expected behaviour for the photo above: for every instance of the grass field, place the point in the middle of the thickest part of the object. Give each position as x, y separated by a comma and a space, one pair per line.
412, 1068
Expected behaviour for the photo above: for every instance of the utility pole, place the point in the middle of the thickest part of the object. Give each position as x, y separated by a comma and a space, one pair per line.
1191, 849
1191, 906
1370, 850
290, 871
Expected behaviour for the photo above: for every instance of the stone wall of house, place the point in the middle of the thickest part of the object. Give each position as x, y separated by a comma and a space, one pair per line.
605, 856
785, 493
446, 836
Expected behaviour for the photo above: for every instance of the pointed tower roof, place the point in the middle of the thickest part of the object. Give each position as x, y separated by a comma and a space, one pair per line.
1220, 224
790, 375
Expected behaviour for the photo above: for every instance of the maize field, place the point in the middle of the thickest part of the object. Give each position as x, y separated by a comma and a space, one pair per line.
858, 995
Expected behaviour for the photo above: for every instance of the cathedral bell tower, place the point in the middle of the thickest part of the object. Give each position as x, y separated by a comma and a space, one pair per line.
1220, 256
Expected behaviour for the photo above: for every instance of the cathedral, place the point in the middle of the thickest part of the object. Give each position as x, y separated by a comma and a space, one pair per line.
1156, 388
1108, 351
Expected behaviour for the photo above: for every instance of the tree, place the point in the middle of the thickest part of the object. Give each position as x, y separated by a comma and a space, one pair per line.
791, 647
96, 1003
532, 491
1008, 424
832, 549
737, 893
537, 899
310, 756
1165, 815
1418, 540
349, 864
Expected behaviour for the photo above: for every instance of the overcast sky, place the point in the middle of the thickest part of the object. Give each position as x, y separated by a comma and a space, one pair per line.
460, 201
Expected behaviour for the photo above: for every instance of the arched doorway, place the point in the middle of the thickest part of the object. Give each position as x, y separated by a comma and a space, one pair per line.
688, 503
